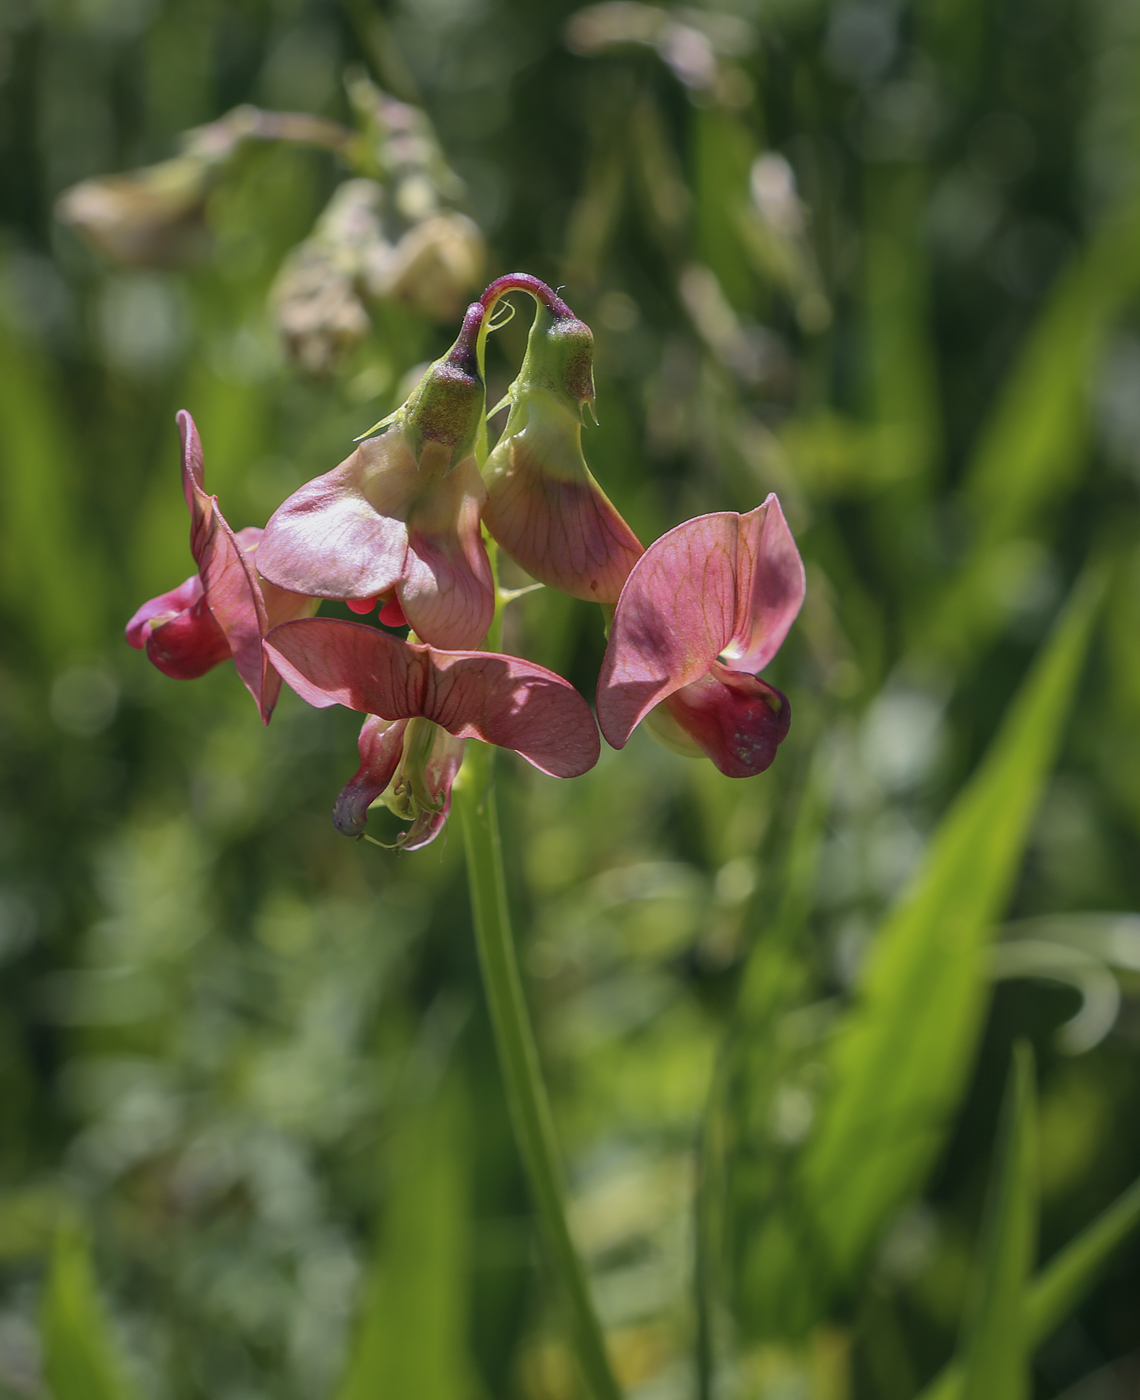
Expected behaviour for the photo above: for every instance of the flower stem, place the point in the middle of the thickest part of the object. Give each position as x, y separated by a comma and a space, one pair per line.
474, 795
525, 282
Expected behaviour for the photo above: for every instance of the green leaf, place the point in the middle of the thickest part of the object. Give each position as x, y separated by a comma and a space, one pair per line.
899, 1063
80, 1358
1035, 443
411, 1337
996, 1346
1060, 1286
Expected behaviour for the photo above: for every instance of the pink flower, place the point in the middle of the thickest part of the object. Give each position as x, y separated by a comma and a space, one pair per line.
423, 705
401, 514
222, 611
705, 608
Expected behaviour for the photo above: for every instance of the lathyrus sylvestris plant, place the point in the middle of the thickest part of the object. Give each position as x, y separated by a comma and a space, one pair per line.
398, 524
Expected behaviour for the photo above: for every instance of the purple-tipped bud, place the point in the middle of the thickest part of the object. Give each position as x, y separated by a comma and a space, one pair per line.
447, 404
402, 512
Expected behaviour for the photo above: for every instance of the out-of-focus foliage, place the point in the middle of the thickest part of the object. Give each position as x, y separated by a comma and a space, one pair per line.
880, 258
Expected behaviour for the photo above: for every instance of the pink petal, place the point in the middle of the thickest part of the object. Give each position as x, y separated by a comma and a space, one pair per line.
161, 609
770, 588
474, 695
447, 594
697, 592
550, 515
381, 744
344, 534
229, 580
280, 606
733, 717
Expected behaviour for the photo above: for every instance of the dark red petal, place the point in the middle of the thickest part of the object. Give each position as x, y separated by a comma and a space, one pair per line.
381, 744
164, 607
392, 614
733, 717
188, 645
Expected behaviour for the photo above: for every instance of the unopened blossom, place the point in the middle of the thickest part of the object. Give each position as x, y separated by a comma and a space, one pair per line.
423, 704
543, 505
224, 610
314, 295
400, 516
703, 611
155, 216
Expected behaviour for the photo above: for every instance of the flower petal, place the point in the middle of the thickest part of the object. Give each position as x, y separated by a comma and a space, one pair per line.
345, 663
733, 717
381, 743
547, 511
229, 580
343, 535
697, 592
676, 611
503, 700
447, 594
189, 644
770, 588
439, 774
155, 611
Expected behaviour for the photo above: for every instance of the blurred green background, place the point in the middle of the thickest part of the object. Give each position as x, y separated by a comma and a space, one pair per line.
880, 257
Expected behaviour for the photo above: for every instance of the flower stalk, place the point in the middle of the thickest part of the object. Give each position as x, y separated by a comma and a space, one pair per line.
474, 798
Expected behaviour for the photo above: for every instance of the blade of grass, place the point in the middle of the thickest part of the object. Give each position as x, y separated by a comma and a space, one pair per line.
1034, 444
995, 1348
900, 1061
80, 1357
1060, 1286
411, 1333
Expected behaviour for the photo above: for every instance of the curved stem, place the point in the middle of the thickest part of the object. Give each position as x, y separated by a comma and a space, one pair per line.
474, 795
524, 282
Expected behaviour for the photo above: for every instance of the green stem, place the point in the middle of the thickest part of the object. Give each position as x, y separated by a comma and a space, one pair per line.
474, 795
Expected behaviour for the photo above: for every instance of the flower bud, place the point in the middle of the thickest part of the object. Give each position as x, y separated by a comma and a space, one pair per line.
318, 311
147, 218
543, 505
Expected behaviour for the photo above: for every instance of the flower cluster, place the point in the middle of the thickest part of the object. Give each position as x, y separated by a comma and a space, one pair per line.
397, 528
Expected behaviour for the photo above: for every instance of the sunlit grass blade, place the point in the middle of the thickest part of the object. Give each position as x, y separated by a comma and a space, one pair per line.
900, 1062
996, 1344
411, 1336
1035, 443
80, 1358
1060, 1287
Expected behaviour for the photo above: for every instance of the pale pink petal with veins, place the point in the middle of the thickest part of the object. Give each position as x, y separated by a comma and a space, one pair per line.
503, 700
